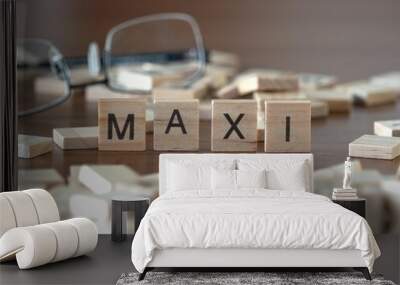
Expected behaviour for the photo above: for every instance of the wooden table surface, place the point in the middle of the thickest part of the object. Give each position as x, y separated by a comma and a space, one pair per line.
330, 138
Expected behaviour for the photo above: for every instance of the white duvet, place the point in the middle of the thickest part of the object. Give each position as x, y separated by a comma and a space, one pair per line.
250, 219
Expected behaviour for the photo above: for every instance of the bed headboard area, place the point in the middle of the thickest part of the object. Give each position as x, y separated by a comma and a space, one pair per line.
295, 168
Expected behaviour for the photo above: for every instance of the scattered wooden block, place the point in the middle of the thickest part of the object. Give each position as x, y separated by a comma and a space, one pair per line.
313, 81
260, 126
338, 100
205, 113
261, 97
371, 146
196, 91
391, 79
234, 125
319, 109
122, 124
95, 92
102, 179
149, 120
76, 138
51, 84
224, 58
176, 125
287, 126
32, 146
229, 91
220, 75
39, 178
372, 95
267, 82
387, 128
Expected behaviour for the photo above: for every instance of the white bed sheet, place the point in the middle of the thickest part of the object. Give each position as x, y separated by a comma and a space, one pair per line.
251, 218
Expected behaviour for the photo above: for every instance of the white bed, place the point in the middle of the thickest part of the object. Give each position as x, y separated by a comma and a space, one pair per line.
248, 227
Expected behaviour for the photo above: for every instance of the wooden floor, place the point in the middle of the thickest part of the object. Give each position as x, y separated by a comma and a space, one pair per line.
330, 138
106, 264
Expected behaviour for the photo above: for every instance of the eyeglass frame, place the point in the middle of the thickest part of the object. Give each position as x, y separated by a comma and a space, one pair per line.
63, 71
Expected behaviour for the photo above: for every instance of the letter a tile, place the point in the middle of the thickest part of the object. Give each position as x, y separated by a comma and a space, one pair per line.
122, 124
234, 125
176, 125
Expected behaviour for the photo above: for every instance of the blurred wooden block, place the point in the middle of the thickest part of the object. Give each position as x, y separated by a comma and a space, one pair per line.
220, 75
234, 125
370, 146
122, 124
32, 146
261, 97
229, 91
287, 126
319, 109
95, 92
338, 101
76, 138
267, 82
102, 179
224, 58
260, 126
51, 84
387, 128
313, 81
196, 91
372, 95
205, 113
176, 125
39, 178
391, 79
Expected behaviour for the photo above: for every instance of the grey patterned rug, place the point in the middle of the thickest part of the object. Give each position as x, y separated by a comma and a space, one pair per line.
269, 278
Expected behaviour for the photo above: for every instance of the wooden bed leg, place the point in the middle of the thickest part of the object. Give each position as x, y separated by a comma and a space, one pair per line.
365, 272
143, 274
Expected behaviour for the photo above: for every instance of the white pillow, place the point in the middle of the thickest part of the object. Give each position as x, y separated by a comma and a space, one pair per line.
223, 179
282, 174
251, 179
230, 180
193, 175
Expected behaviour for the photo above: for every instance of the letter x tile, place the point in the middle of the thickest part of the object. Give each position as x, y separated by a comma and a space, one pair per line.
234, 125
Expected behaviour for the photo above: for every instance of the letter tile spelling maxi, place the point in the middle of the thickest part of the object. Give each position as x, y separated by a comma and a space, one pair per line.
287, 126
122, 124
234, 125
176, 125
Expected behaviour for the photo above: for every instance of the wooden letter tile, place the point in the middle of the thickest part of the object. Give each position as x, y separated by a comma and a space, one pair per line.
32, 146
372, 95
319, 109
176, 125
122, 124
338, 100
76, 138
370, 146
387, 128
287, 126
267, 82
197, 90
234, 125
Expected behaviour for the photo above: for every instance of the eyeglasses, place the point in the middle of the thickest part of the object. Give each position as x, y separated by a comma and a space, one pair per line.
138, 55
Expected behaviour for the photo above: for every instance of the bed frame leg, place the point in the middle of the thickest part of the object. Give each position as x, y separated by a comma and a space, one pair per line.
143, 274
365, 272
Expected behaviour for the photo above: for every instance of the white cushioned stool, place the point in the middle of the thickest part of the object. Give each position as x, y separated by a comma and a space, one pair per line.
31, 232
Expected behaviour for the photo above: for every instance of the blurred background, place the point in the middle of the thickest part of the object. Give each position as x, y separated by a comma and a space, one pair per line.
351, 39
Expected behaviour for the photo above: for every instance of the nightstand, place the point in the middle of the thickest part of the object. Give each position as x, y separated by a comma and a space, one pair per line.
122, 204
357, 206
